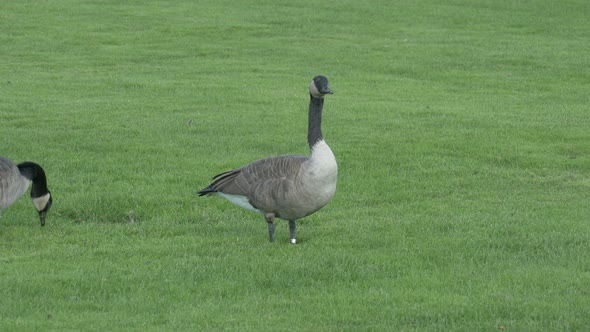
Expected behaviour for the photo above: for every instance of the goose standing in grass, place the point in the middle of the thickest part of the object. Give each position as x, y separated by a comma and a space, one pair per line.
15, 180
286, 187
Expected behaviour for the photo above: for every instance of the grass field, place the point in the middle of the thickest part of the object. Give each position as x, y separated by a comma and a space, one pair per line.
461, 128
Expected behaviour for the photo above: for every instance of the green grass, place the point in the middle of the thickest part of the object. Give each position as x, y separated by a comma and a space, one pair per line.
461, 130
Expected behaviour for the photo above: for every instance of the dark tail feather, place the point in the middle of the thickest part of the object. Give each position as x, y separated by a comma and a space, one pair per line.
206, 191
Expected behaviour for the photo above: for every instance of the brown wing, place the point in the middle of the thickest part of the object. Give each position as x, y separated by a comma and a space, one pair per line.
242, 181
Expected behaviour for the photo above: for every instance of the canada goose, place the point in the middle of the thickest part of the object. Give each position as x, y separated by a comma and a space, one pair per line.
14, 181
286, 187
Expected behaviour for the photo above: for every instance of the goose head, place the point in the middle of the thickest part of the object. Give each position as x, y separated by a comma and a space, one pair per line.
318, 87
42, 205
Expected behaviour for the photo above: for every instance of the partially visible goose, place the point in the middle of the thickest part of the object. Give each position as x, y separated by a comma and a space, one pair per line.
15, 180
286, 187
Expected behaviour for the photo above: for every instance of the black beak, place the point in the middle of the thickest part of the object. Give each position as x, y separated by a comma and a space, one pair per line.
42, 215
327, 91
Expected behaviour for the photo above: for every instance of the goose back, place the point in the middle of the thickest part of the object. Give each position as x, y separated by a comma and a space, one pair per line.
12, 184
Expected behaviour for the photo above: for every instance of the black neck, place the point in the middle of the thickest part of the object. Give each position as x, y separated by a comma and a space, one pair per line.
36, 174
314, 128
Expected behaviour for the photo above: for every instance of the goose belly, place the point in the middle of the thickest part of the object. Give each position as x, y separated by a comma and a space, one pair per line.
303, 205
239, 200
287, 200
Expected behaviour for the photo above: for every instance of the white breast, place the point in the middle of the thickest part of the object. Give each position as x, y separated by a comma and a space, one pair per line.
321, 173
322, 164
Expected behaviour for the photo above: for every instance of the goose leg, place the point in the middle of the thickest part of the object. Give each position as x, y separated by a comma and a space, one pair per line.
270, 218
292, 231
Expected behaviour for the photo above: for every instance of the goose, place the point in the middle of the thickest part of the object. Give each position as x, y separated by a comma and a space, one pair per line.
287, 187
15, 180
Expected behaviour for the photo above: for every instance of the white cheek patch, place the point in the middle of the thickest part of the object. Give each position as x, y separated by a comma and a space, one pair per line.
41, 202
314, 90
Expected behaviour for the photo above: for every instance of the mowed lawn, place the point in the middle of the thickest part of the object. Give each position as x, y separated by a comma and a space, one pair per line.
461, 128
